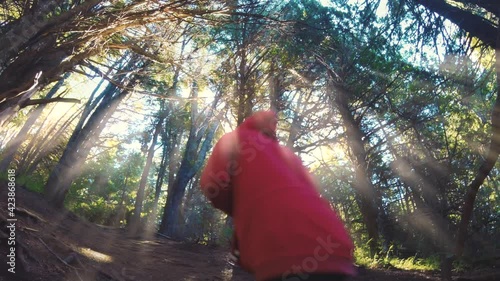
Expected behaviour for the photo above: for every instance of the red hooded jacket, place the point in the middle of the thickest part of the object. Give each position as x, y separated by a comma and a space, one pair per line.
282, 224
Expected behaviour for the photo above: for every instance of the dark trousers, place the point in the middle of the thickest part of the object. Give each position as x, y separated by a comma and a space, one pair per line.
311, 277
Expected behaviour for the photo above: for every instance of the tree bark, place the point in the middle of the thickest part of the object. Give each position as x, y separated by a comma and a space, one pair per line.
193, 158
84, 137
162, 169
77, 150
135, 221
484, 170
276, 88
31, 102
477, 26
366, 195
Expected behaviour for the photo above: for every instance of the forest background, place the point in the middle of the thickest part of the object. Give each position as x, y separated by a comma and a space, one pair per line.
110, 108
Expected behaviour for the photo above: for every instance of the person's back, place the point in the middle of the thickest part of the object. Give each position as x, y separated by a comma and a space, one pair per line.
284, 229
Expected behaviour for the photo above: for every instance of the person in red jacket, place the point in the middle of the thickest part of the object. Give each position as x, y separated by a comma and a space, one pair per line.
284, 229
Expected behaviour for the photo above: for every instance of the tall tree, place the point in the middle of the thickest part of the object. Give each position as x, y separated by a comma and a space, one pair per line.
135, 221
201, 133
478, 19
245, 42
91, 123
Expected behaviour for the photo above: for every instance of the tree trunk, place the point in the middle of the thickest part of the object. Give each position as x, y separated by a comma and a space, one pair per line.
295, 127
189, 197
484, 170
120, 209
169, 225
366, 195
159, 183
476, 25
193, 158
9, 107
168, 142
86, 133
135, 221
78, 148
242, 91
276, 88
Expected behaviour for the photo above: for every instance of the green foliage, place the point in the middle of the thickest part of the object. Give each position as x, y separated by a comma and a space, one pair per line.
362, 257
428, 264
105, 190
34, 182
97, 211
206, 226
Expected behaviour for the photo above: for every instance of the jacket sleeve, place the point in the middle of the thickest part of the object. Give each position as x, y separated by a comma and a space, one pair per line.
216, 177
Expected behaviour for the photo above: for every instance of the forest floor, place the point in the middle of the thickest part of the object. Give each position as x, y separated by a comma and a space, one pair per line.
56, 246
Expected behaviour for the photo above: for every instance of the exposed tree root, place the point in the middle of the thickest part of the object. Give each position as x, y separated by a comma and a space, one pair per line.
22, 211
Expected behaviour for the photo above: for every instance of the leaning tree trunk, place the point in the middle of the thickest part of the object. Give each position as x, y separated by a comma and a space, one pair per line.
33, 70
486, 166
77, 150
189, 166
135, 220
162, 169
366, 195
86, 133
31, 26
484, 170
168, 142
193, 158
473, 24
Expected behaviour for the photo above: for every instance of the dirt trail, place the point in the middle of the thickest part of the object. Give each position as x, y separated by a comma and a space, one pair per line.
61, 247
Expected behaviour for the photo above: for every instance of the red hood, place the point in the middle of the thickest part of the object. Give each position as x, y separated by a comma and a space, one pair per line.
281, 223
264, 121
